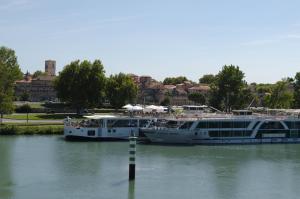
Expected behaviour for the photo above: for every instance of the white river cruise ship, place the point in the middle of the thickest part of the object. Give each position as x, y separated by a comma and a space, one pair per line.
103, 127
227, 129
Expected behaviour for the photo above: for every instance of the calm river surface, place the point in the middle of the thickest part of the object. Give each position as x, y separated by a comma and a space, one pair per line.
42, 167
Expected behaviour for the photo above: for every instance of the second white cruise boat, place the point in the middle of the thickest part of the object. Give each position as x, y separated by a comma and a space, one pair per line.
104, 127
225, 129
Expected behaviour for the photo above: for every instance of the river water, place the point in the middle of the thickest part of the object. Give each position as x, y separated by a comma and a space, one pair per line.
47, 167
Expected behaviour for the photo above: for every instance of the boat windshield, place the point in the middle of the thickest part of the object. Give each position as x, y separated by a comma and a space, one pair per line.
122, 123
186, 125
91, 123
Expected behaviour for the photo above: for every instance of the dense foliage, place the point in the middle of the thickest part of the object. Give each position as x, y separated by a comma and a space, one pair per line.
280, 96
25, 108
120, 90
38, 73
197, 98
166, 101
229, 89
9, 73
207, 79
297, 91
174, 80
82, 84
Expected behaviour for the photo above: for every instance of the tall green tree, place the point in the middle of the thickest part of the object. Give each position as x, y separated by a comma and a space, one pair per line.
9, 73
280, 96
82, 84
197, 98
297, 91
166, 101
207, 79
174, 80
120, 90
227, 89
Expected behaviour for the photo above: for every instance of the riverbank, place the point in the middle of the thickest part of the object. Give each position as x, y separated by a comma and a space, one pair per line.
41, 116
31, 129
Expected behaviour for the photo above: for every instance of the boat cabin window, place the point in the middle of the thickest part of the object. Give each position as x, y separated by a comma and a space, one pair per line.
172, 124
143, 123
242, 112
125, 123
100, 123
110, 123
230, 133
91, 123
292, 124
91, 133
194, 108
222, 124
271, 125
186, 125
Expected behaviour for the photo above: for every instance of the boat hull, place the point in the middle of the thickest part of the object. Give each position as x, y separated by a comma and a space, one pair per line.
95, 139
166, 136
175, 137
247, 141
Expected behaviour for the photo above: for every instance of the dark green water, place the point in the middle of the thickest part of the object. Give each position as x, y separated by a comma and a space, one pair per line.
48, 167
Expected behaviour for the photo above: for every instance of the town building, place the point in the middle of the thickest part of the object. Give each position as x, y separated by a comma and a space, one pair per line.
154, 92
40, 88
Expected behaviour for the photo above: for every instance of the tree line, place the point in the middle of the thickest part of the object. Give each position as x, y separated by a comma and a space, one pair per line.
229, 90
83, 84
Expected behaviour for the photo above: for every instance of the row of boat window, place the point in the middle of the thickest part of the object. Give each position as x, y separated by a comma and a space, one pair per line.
288, 133
245, 124
223, 124
230, 133
126, 123
293, 125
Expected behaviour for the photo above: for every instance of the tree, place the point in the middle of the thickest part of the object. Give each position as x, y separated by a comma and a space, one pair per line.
9, 73
207, 79
166, 101
25, 108
82, 84
227, 89
197, 98
297, 91
120, 90
38, 73
24, 96
280, 97
174, 80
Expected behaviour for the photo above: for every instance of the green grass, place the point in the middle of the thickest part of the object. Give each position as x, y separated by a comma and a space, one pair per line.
40, 116
19, 129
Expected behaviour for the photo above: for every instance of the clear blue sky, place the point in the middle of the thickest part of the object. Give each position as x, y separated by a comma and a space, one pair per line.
157, 37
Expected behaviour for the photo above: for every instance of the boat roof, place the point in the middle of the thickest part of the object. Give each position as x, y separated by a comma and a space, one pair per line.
99, 116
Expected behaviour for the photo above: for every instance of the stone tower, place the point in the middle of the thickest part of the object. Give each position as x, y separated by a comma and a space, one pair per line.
50, 66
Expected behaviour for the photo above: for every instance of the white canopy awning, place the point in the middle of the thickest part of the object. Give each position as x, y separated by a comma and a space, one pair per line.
95, 117
137, 108
128, 106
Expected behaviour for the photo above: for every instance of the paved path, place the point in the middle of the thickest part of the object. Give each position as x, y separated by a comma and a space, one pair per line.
33, 121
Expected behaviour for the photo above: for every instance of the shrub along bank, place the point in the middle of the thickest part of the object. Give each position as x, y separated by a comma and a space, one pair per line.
21, 129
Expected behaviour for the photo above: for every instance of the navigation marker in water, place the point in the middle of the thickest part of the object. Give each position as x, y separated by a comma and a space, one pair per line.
132, 150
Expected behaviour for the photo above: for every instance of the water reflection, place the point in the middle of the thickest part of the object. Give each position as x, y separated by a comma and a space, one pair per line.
6, 180
131, 190
59, 169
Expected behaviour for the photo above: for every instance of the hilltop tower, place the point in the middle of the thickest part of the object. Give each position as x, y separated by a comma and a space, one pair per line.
50, 67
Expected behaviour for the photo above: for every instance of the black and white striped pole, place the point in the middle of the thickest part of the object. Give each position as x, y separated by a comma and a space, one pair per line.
132, 150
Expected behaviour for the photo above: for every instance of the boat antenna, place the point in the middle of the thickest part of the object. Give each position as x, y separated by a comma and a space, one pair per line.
215, 109
248, 107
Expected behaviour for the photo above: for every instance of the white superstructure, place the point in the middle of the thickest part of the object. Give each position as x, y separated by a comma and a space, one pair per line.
228, 129
104, 127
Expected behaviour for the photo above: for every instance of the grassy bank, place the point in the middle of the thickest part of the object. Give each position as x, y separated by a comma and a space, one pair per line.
40, 116
32, 129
